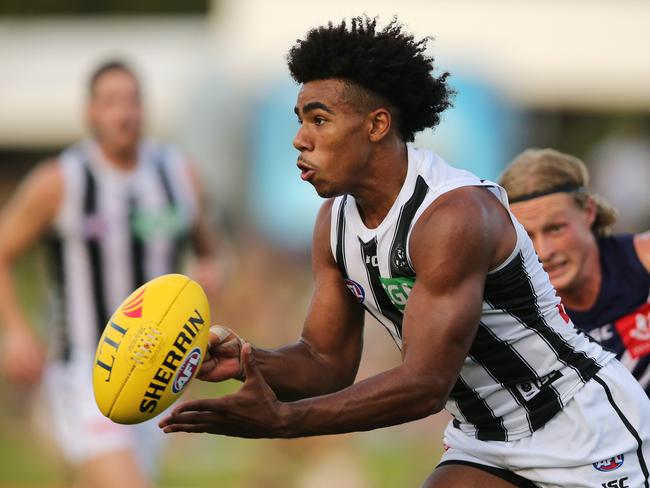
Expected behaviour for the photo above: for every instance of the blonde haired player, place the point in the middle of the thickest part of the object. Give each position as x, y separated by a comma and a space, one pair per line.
115, 211
602, 279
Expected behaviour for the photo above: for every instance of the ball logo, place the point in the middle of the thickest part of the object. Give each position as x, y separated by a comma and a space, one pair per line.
356, 289
609, 464
133, 308
186, 370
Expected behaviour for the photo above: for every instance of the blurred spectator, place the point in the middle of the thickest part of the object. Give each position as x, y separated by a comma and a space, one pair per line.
116, 210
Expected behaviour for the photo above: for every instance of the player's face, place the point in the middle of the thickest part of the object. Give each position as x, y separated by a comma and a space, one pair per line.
115, 111
561, 234
332, 138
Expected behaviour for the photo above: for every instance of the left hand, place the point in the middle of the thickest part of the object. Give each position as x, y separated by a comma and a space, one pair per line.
253, 412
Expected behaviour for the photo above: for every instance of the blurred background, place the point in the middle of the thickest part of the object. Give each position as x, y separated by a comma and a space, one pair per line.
571, 74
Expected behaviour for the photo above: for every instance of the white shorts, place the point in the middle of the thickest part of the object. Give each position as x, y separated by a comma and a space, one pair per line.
80, 428
600, 439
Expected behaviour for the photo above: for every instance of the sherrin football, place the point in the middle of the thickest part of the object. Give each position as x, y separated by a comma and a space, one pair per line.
151, 348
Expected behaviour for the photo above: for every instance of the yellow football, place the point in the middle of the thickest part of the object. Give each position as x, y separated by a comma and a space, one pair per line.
151, 348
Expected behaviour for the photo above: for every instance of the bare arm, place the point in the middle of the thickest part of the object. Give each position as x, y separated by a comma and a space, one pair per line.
326, 357
642, 246
454, 245
23, 220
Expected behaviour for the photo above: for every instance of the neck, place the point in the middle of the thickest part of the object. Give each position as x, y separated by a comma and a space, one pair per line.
386, 173
583, 296
124, 160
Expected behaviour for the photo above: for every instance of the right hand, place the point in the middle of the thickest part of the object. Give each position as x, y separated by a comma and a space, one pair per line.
23, 356
223, 359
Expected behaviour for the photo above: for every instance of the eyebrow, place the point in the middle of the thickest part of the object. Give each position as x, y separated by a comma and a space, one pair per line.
313, 106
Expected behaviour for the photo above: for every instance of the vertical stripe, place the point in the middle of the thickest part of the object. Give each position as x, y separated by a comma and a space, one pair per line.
93, 233
477, 412
511, 290
55, 246
180, 240
136, 244
340, 238
509, 369
385, 306
629, 427
399, 264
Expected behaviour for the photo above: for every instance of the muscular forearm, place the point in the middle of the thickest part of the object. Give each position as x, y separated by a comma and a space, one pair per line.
389, 398
295, 372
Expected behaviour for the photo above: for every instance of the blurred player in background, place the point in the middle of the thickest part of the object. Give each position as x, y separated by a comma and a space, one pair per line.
115, 210
602, 279
433, 253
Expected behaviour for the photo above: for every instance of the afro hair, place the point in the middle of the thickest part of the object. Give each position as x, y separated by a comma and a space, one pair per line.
389, 63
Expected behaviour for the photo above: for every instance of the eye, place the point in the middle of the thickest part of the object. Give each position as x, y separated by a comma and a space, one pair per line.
557, 228
318, 120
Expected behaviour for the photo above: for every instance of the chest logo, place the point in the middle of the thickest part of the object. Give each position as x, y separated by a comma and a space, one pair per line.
356, 289
154, 223
399, 261
398, 290
609, 464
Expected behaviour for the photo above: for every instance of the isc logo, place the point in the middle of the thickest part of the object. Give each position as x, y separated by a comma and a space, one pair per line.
186, 370
620, 483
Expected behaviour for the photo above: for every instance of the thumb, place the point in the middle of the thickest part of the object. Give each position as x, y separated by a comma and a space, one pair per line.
249, 363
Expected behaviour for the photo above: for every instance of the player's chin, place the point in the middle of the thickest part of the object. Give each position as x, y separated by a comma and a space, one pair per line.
325, 190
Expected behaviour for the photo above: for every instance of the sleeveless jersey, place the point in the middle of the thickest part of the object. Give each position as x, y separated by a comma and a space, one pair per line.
114, 230
620, 318
527, 360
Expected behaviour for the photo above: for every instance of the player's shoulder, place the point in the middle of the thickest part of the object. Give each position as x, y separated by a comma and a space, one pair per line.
42, 187
324, 216
463, 224
322, 226
642, 248
462, 207
47, 175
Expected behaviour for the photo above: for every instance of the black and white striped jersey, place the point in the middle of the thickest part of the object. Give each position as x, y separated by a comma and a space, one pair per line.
114, 230
527, 359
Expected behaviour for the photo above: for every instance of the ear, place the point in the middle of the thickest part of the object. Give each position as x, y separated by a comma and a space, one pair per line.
379, 123
590, 210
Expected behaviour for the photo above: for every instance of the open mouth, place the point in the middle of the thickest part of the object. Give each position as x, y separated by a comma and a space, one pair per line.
306, 172
556, 269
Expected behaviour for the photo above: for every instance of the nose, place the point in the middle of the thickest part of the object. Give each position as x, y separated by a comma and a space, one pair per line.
301, 141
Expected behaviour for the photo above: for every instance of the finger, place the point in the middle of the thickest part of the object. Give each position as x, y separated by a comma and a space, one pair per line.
192, 428
230, 349
202, 405
191, 418
211, 427
221, 333
209, 363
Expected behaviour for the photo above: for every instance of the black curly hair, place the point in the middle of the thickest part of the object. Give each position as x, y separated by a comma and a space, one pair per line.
388, 63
